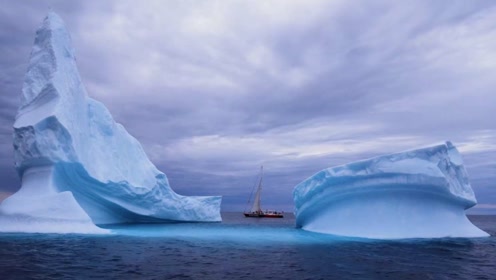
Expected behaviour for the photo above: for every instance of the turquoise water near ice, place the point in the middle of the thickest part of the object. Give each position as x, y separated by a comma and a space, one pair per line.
243, 248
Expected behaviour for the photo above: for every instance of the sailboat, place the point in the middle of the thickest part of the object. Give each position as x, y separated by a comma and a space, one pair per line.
256, 209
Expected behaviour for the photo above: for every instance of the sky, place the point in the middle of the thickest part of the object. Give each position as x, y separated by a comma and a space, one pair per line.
215, 89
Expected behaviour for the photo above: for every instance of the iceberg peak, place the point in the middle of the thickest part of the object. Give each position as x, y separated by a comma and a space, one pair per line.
52, 67
54, 32
54, 21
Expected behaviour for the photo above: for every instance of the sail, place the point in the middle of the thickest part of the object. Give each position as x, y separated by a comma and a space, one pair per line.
256, 202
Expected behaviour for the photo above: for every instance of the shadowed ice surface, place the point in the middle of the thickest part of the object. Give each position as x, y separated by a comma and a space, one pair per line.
243, 248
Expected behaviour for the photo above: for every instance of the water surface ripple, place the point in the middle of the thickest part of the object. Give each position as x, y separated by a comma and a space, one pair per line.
243, 248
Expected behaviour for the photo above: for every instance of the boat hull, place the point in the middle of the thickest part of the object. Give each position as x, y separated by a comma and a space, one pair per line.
263, 215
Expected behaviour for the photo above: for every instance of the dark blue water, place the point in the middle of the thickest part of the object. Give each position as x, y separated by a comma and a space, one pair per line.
243, 248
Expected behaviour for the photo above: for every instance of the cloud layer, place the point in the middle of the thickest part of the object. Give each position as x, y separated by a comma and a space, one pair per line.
213, 90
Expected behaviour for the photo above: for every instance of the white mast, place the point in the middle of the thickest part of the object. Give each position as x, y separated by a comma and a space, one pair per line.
256, 202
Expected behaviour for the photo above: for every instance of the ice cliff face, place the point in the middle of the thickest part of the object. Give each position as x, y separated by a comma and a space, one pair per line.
76, 163
414, 194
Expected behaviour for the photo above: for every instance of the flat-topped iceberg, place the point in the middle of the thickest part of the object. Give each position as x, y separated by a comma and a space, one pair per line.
78, 166
421, 193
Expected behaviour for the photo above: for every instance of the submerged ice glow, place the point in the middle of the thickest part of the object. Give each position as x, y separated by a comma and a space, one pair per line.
414, 194
78, 166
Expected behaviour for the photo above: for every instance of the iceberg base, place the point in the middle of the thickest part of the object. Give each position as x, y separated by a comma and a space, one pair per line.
18, 223
392, 216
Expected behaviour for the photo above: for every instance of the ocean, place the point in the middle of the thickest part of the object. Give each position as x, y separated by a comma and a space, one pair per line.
243, 248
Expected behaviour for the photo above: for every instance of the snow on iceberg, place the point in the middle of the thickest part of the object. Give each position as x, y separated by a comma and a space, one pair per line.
415, 194
78, 166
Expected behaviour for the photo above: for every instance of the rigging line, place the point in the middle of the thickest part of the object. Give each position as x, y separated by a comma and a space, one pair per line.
261, 179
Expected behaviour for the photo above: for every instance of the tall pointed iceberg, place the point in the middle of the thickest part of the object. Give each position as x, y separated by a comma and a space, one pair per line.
78, 165
420, 193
